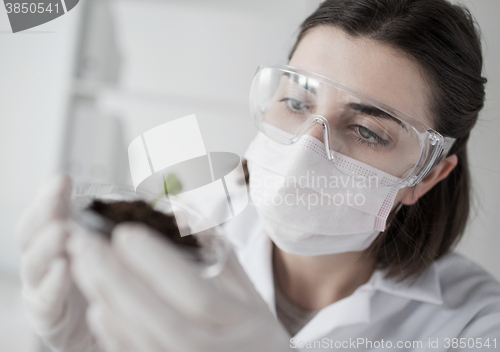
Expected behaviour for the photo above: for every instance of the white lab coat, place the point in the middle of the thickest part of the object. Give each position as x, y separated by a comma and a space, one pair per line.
455, 298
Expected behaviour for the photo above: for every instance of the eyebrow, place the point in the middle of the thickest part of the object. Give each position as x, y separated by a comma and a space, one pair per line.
376, 112
365, 109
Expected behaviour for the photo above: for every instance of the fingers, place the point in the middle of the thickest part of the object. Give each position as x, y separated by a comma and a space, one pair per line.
159, 264
131, 281
56, 283
110, 333
114, 334
105, 281
48, 301
51, 202
48, 244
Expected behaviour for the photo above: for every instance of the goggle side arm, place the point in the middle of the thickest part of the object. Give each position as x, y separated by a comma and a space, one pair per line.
442, 146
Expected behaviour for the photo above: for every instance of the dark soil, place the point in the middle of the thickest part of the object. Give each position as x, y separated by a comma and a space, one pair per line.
140, 211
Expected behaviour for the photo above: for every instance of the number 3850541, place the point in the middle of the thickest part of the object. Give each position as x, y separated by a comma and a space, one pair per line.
31, 7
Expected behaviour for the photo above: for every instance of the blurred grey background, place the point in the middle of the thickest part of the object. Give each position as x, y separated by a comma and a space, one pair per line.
75, 91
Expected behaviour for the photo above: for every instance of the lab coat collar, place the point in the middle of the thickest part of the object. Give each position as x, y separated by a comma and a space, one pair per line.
256, 258
426, 288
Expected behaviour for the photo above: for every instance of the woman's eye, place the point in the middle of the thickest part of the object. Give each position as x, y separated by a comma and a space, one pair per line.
368, 136
366, 133
295, 104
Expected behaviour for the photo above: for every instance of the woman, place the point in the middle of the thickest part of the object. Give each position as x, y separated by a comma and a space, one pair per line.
382, 91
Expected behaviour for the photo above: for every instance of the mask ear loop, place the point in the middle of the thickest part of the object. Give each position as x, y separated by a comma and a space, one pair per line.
326, 133
393, 215
398, 208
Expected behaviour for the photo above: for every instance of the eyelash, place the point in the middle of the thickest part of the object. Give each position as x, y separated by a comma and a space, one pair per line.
287, 100
380, 142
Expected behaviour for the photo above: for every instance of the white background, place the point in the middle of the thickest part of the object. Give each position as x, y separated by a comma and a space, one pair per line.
178, 58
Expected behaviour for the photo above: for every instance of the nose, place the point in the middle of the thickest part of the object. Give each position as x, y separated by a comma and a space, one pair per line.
318, 127
316, 131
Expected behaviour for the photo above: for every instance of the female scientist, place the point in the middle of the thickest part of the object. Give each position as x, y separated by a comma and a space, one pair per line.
378, 98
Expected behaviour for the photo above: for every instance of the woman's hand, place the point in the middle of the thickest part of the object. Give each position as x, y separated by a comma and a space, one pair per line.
54, 305
144, 295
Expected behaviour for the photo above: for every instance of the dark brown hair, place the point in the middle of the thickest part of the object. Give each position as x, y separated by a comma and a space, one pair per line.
443, 39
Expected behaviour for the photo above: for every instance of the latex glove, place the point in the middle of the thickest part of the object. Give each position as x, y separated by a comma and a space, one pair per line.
54, 305
145, 296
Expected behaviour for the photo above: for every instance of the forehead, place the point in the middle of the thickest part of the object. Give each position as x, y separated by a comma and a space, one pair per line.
367, 65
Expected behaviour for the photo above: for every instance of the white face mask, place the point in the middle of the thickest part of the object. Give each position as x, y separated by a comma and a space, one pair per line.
310, 205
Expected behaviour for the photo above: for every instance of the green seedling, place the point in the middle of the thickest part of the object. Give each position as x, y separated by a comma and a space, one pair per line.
175, 187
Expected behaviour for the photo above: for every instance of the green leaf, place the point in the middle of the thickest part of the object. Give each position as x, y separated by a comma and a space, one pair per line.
175, 186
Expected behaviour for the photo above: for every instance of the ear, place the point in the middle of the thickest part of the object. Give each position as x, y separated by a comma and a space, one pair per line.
440, 172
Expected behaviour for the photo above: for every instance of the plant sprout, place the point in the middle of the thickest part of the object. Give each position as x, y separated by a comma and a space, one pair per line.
175, 184
175, 187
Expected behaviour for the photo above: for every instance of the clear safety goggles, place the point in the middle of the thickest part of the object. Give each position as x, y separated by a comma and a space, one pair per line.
346, 120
